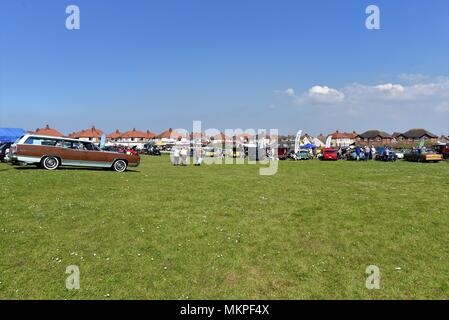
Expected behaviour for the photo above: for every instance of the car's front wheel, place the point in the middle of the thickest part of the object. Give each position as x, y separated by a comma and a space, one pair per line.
50, 163
119, 166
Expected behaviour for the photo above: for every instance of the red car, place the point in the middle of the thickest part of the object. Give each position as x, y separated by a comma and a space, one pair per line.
330, 154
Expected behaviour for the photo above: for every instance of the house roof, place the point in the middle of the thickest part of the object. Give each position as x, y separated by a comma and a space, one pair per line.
169, 134
343, 135
151, 135
134, 134
115, 135
375, 133
88, 133
418, 133
47, 131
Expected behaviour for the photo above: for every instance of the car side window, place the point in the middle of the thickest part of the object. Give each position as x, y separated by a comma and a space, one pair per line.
77, 146
88, 146
42, 141
67, 144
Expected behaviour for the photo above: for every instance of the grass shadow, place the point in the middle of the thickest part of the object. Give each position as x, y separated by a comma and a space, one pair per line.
73, 169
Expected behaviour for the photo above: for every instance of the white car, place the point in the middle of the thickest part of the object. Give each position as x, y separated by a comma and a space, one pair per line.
399, 154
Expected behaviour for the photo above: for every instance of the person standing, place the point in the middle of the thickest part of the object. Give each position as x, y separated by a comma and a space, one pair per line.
176, 155
199, 156
357, 152
367, 152
183, 154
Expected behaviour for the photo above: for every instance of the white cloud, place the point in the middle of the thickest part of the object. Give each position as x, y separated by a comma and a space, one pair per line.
288, 92
393, 106
430, 95
390, 87
321, 95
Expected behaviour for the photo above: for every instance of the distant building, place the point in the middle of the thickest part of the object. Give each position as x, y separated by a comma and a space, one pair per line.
374, 137
444, 139
92, 135
134, 136
414, 136
322, 138
170, 136
47, 131
343, 139
114, 137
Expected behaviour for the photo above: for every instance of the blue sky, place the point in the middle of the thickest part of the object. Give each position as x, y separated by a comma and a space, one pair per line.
282, 64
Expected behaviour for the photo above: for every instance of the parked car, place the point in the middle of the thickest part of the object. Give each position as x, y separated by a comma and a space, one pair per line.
423, 156
329, 154
353, 156
400, 154
302, 155
282, 153
443, 150
151, 150
4, 150
52, 152
391, 156
128, 150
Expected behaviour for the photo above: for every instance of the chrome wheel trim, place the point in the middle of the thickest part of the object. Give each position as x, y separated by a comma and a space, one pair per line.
120, 166
51, 163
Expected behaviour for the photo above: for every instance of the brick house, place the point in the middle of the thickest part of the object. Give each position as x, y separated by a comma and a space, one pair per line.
374, 137
414, 136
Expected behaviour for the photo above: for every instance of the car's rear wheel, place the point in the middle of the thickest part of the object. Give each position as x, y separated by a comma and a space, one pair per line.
50, 163
119, 166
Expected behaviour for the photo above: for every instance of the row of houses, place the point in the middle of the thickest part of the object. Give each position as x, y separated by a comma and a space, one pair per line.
138, 138
339, 139
378, 137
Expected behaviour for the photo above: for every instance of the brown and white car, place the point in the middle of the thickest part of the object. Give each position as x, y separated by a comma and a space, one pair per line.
51, 152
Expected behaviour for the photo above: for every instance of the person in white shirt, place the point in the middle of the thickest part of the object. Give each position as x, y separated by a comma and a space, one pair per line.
183, 156
176, 157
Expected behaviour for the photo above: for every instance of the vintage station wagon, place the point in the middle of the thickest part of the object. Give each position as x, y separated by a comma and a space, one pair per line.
52, 152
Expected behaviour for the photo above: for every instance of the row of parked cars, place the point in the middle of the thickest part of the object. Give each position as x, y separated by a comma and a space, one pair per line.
382, 154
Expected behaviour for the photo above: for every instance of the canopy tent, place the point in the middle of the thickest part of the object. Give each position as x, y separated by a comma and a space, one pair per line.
11, 134
308, 146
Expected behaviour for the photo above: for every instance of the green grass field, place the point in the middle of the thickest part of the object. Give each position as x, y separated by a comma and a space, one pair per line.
224, 232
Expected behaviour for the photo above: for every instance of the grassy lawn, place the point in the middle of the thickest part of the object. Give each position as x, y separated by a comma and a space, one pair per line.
223, 231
